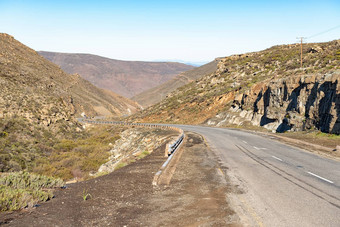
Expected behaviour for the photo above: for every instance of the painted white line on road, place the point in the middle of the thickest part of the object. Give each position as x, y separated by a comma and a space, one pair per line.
313, 174
244, 141
260, 148
277, 158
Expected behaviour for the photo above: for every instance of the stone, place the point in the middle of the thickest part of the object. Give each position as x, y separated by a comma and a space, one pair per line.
328, 77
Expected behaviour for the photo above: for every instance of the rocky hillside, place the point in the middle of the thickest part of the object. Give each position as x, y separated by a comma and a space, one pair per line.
266, 88
31, 85
39, 104
126, 78
156, 94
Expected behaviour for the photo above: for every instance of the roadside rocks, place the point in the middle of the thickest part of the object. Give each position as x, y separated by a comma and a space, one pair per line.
133, 142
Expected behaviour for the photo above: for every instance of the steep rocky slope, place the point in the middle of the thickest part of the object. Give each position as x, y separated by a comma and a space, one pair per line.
39, 104
266, 88
28, 80
156, 94
126, 78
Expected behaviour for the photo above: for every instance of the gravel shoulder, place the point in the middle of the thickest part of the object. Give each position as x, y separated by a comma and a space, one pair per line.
324, 144
196, 196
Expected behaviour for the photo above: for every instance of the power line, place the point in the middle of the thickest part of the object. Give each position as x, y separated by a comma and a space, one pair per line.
320, 33
301, 38
317, 34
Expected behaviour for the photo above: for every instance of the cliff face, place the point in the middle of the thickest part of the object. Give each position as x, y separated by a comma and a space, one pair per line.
295, 103
266, 88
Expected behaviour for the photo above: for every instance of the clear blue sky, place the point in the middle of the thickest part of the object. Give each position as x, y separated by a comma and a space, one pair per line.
151, 30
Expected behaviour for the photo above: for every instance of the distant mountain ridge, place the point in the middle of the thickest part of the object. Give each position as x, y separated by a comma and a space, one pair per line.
156, 94
193, 63
126, 78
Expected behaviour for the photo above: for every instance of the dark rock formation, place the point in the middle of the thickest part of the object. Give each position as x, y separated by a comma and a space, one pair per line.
294, 103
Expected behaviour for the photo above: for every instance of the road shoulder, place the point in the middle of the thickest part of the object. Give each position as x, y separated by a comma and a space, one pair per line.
196, 195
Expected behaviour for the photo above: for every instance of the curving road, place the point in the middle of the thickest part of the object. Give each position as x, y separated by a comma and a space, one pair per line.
275, 184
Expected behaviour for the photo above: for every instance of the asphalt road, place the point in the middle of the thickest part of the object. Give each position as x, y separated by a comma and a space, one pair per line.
276, 184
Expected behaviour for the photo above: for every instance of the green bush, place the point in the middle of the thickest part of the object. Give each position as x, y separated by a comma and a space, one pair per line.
25, 180
3, 134
22, 189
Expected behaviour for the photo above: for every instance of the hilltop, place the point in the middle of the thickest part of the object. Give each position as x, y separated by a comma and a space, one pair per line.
127, 78
266, 88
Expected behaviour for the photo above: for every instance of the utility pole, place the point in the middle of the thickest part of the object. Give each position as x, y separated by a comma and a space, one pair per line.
301, 39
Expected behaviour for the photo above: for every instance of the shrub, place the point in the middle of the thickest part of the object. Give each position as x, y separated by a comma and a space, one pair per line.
338, 54
3, 134
22, 189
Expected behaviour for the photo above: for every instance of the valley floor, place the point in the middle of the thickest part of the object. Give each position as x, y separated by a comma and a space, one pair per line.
196, 196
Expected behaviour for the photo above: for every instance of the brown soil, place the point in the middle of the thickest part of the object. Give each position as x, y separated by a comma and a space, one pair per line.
196, 196
323, 146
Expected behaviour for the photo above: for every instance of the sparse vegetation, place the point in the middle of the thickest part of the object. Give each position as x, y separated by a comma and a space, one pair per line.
238, 74
77, 158
315, 137
32, 148
86, 195
121, 165
327, 135
143, 154
22, 189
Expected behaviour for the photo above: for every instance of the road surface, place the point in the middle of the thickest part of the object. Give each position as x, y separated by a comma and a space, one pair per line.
276, 184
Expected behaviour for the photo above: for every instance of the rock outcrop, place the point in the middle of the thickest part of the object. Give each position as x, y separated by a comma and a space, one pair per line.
266, 88
294, 103
132, 143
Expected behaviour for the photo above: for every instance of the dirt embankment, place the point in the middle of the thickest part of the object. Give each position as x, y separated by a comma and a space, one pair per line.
196, 196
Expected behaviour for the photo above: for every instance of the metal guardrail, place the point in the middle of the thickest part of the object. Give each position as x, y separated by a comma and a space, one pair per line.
172, 147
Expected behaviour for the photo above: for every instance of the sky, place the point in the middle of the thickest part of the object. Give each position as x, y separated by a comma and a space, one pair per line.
191, 31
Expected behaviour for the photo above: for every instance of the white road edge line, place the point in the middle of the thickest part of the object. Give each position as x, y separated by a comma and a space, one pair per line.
277, 158
313, 174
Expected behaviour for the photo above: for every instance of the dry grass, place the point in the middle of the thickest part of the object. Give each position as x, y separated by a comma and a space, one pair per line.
315, 137
22, 189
